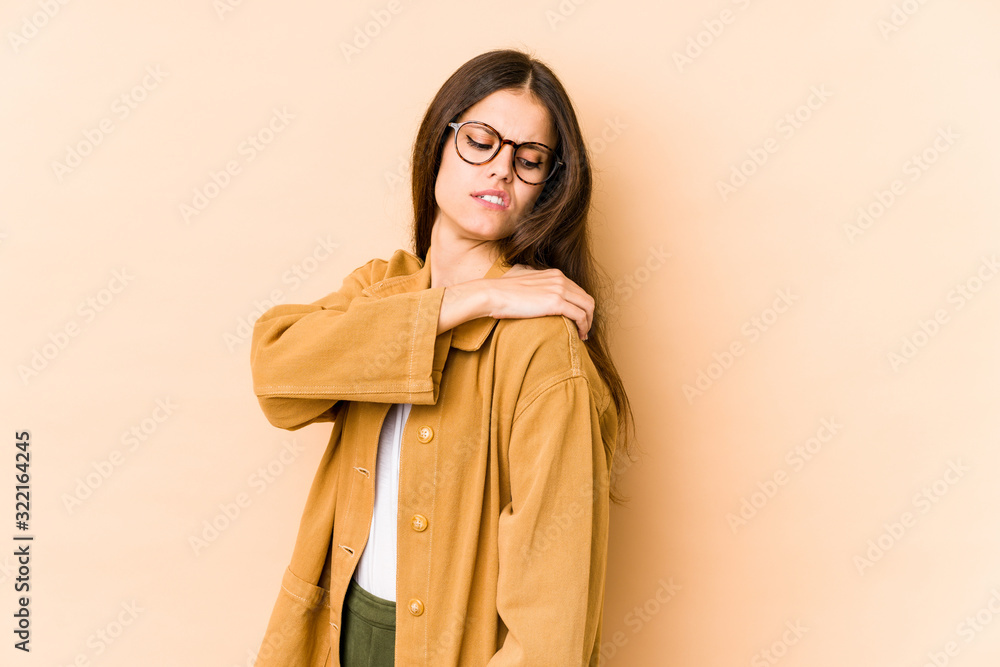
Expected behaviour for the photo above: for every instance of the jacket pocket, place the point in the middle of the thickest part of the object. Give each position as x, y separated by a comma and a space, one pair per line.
298, 632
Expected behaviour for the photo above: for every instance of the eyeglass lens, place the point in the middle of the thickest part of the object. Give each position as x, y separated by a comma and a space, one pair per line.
478, 144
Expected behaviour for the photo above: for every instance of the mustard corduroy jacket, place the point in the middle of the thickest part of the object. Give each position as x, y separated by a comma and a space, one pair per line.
503, 483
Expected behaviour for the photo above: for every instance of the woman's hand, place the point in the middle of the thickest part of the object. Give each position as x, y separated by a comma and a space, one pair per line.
526, 292
520, 293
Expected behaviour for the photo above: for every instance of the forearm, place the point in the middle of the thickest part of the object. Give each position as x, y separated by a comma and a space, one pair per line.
381, 350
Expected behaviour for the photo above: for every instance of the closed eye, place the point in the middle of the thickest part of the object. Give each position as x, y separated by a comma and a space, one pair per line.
476, 144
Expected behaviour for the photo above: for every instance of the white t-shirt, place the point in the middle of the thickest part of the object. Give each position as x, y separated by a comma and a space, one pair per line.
376, 570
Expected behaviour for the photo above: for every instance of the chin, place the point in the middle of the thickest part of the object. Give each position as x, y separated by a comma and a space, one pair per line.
484, 232
477, 222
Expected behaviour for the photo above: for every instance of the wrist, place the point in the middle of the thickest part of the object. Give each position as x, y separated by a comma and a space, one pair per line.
463, 302
481, 297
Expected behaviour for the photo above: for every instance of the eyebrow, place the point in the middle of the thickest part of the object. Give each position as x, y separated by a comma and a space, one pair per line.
507, 136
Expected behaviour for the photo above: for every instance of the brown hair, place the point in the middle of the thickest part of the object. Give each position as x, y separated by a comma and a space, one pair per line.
554, 234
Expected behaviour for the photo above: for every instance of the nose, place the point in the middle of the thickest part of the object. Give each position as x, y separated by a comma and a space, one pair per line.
502, 164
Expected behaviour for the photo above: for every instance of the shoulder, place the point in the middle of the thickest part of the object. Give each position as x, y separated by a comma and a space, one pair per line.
401, 262
540, 352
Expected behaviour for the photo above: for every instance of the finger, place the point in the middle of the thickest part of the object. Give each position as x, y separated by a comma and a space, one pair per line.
579, 298
579, 316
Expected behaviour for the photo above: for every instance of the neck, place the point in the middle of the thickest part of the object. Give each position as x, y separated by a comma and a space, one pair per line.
456, 260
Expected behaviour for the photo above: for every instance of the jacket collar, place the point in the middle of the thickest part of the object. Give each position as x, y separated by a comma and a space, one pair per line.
416, 276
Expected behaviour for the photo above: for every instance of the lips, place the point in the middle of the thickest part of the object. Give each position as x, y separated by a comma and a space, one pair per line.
494, 197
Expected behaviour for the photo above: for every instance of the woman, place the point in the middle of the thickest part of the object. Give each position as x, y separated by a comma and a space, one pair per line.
459, 515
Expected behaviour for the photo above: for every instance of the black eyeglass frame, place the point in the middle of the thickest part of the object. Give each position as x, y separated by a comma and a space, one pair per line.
458, 126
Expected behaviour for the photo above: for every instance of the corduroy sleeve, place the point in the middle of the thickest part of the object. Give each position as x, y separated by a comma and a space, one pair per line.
347, 346
553, 534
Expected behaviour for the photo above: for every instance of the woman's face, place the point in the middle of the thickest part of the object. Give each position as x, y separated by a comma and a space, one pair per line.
517, 116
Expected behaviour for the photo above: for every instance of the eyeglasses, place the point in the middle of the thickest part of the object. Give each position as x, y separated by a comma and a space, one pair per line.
478, 143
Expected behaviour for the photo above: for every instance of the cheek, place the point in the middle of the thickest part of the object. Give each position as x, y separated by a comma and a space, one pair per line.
529, 196
448, 185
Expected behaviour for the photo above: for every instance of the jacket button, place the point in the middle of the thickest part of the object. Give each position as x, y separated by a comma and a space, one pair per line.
416, 607
419, 522
425, 434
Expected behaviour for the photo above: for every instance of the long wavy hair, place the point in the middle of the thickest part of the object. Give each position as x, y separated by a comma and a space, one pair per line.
555, 233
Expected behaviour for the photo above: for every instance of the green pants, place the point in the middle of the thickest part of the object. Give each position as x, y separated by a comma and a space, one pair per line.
368, 636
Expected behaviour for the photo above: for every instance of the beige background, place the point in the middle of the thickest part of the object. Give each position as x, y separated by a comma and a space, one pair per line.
157, 99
